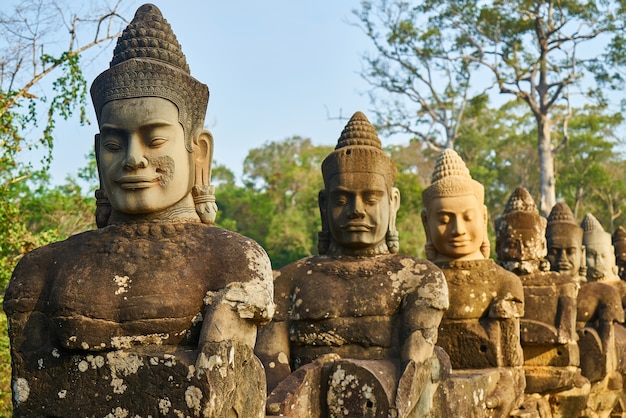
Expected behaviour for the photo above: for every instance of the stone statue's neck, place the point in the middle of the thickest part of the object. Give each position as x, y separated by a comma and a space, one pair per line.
179, 211
336, 249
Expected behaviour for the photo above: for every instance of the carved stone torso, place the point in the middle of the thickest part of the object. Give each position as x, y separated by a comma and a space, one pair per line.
475, 285
353, 306
112, 318
131, 284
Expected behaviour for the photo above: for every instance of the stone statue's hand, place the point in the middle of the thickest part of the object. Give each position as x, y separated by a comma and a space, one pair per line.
413, 383
502, 398
506, 307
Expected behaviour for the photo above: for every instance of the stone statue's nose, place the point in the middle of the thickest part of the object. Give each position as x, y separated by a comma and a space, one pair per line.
135, 158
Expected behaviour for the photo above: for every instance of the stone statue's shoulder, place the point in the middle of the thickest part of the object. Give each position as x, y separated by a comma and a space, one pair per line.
29, 280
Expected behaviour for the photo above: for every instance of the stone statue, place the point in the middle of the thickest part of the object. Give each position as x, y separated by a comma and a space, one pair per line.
548, 329
599, 308
566, 252
480, 330
156, 312
358, 318
619, 243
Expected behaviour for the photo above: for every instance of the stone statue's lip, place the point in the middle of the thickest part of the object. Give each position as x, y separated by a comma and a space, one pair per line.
136, 182
460, 243
356, 226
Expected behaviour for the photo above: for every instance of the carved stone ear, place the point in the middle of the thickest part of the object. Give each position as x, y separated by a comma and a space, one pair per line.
202, 191
394, 205
323, 237
203, 157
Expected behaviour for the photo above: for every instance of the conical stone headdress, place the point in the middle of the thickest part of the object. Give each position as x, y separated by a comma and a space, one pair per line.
561, 222
148, 62
521, 220
451, 177
359, 150
592, 227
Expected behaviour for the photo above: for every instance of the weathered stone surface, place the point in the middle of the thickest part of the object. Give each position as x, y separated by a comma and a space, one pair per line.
554, 382
358, 300
474, 393
156, 312
481, 329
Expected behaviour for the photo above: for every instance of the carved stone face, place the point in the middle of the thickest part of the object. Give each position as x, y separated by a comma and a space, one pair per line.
565, 254
522, 245
600, 258
358, 209
143, 162
456, 227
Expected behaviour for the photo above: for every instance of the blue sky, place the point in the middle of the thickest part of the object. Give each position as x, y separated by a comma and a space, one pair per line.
275, 68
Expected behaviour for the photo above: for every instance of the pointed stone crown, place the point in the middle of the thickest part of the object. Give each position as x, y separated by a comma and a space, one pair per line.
592, 227
561, 222
521, 214
148, 62
451, 177
619, 236
359, 150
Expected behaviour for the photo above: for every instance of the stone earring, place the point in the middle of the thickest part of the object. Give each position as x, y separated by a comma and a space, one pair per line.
204, 201
393, 241
323, 242
103, 208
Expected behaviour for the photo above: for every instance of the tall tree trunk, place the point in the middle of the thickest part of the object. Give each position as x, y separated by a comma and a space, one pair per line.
546, 166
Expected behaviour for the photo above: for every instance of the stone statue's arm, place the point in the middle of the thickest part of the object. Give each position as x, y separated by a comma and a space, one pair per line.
235, 312
509, 303
30, 329
272, 348
422, 310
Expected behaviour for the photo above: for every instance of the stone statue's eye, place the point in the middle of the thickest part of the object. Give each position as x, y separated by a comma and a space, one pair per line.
112, 145
371, 200
444, 219
156, 142
341, 200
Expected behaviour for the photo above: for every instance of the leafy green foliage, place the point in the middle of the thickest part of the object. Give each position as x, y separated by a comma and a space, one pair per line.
433, 58
277, 206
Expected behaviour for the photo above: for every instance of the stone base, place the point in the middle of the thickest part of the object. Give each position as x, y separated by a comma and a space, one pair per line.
148, 381
333, 387
473, 393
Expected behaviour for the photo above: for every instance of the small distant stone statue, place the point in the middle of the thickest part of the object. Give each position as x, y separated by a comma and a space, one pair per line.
548, 328
155, 313
602, 338
601, 266
359, 321
619, 243
480, 331
566, 252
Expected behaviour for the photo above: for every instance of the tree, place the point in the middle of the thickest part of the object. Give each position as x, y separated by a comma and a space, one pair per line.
41, 80
277, 205
539, 51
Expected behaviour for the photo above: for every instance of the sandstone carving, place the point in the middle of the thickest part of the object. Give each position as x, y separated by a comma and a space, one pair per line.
481, 329
156, 312
554, 383
355, 327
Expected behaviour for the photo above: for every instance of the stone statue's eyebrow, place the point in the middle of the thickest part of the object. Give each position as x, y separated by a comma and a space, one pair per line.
155, 123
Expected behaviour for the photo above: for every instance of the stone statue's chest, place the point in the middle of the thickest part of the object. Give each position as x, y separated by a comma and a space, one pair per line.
144, 289
319, 295
471, 293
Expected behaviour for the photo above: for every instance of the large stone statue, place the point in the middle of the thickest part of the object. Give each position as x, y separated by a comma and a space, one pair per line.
156, 312
548, 328
480, 331
358, 320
